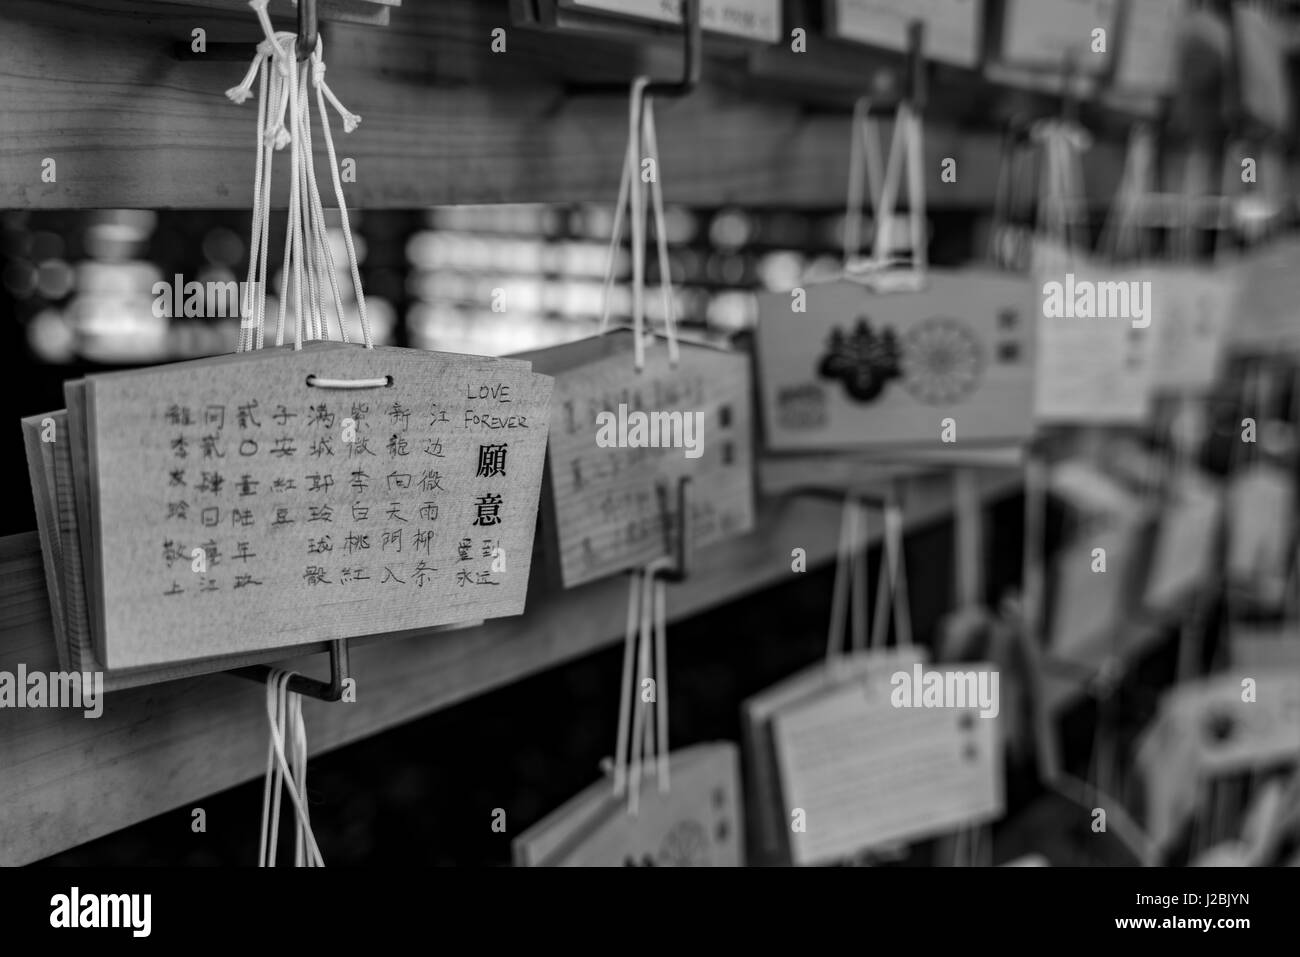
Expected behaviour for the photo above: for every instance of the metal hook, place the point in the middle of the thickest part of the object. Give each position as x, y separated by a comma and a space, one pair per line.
301, 684
1069, 90
914, 85
308, 30
692, 58
680, 569
692, 47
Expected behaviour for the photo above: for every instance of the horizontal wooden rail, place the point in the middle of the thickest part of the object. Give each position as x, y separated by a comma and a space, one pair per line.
66, 779
98, 89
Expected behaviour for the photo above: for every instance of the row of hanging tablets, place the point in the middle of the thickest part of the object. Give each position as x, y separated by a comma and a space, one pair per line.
205, 515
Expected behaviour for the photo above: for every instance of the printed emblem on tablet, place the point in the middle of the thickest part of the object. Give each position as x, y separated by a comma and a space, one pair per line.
863, 360
802, 406
942, 361
686, 845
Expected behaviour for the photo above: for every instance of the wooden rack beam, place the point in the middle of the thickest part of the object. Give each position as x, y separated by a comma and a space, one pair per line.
66, 779
98, 89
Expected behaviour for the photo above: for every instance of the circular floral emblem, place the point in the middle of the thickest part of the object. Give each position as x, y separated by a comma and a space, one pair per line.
941, 361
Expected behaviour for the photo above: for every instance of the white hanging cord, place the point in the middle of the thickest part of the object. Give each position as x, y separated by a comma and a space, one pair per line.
859, 565
849, 592
661, 232
637, 200
645, 656
840, 589
628, 686
311, 246
634, 197
1060, 177
293, 262
307, 247
284, 715
307, 220
661, 677
1120, 233
631, 161
271, 787
893, 582
238, 94
916, 186
864, 154
350, 122
324, 253
639, 719
883, 245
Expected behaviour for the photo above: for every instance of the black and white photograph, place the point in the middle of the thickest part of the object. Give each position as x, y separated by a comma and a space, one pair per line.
490, 434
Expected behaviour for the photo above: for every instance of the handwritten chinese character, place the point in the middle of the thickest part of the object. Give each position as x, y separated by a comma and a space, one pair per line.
315, 575
211, 482
399, 415
431, 481
423, 573
211, 552
488, 507
491, 460
320, 415
244, 415
178, 415
173, 552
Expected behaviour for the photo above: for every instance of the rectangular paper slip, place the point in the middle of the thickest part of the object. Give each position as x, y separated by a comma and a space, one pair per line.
612, 501
866, 773
1044, 32
698, 822
844, 367
238, 508
762, 779
952, 27
749, 19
